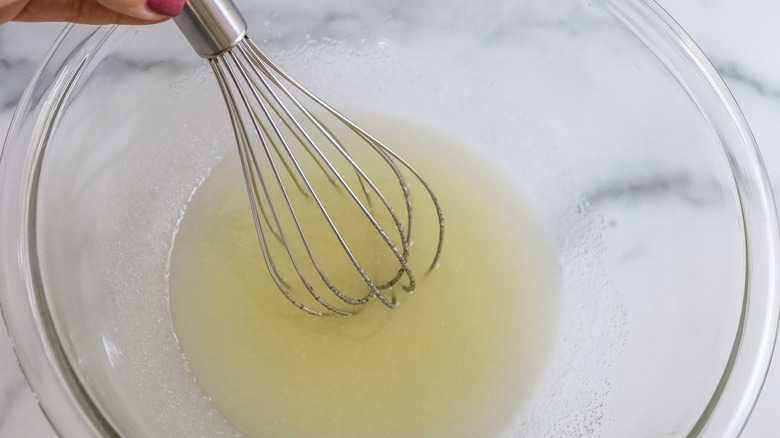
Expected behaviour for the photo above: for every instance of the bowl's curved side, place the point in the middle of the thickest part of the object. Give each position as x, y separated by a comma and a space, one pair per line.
63, 400
733, 400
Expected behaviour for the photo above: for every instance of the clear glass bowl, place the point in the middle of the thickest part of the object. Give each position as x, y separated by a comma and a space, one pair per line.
627, 145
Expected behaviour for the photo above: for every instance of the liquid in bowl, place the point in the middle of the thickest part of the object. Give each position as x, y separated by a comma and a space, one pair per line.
456, 358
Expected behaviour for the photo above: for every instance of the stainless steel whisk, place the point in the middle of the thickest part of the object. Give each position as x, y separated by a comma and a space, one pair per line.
274, 118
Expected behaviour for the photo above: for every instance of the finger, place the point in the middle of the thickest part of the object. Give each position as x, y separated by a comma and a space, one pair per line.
145, 9
76, 11
9, 9
89, 11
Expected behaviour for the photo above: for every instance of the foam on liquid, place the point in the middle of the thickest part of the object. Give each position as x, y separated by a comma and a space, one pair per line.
457, 358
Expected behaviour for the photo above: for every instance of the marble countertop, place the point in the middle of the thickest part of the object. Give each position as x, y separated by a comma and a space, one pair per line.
740, 39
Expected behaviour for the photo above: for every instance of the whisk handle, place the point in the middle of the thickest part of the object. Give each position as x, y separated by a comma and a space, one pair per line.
211, 26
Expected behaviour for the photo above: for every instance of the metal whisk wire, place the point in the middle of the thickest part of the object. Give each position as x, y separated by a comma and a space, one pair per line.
267, 109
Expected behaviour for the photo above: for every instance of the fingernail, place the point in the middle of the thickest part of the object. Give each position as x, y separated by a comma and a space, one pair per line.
169, 8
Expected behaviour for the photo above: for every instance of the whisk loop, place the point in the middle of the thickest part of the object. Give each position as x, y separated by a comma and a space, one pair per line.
287, 140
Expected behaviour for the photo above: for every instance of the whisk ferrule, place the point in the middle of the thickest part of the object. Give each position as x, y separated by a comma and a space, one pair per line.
211, 26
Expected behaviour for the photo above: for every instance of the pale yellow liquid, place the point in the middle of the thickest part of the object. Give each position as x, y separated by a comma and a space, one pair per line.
457, 358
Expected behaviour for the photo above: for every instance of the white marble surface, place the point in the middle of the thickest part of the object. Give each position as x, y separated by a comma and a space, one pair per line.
739, 37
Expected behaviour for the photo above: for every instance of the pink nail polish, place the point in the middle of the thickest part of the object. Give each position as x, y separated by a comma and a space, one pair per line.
169, 8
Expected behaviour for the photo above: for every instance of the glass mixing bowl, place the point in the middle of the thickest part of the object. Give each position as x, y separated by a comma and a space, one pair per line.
627, 146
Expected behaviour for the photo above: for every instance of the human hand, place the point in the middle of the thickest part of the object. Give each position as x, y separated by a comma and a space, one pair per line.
90, 11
